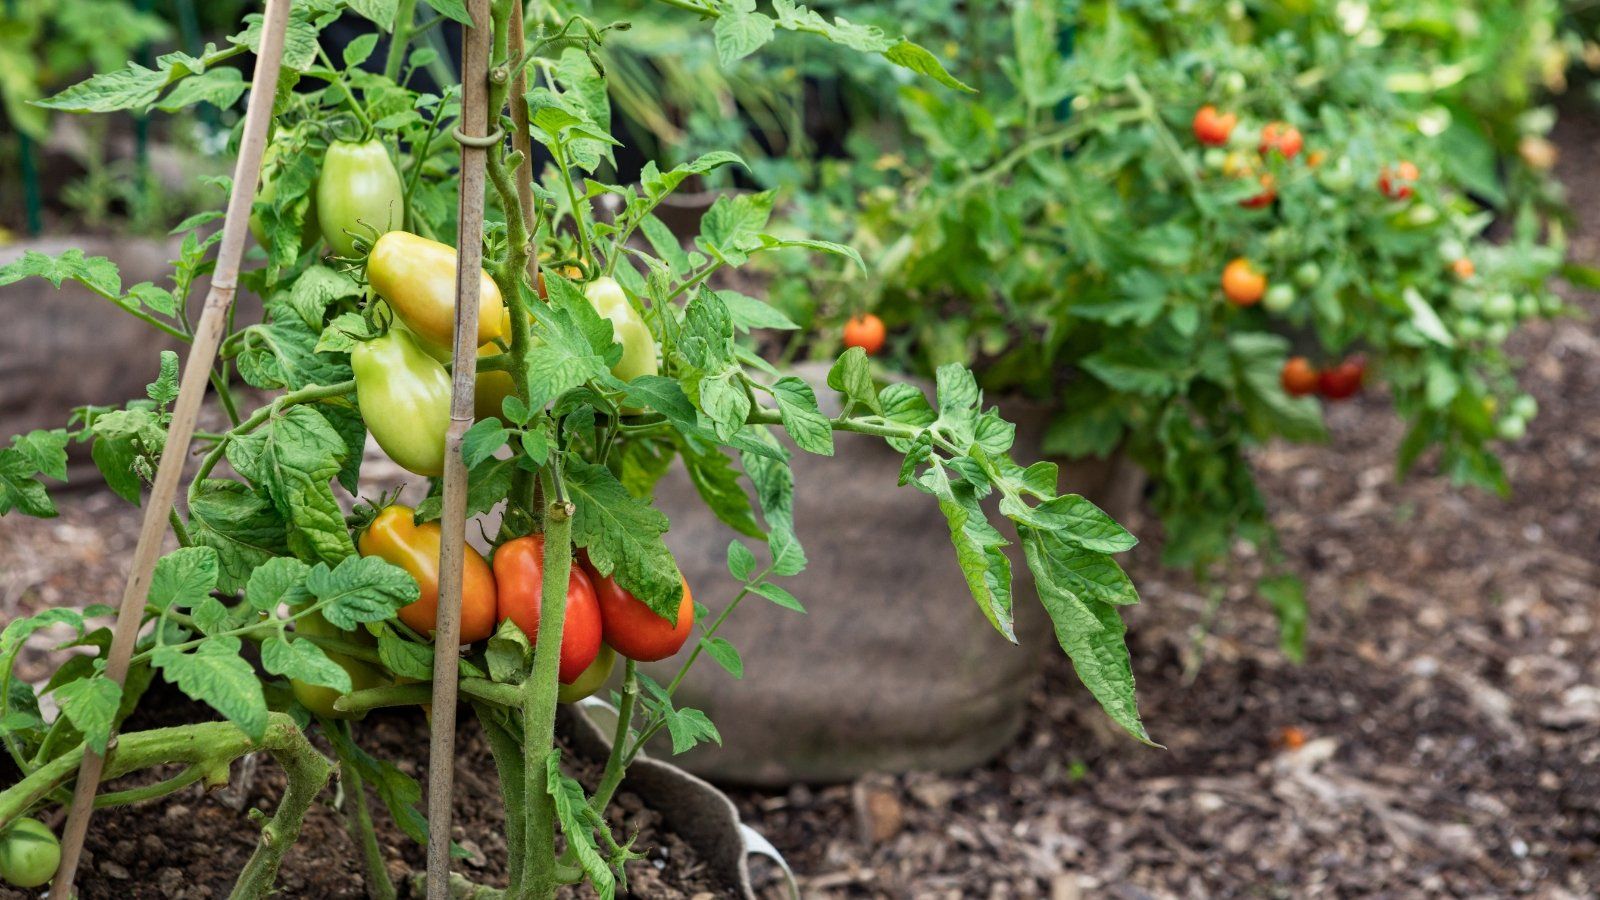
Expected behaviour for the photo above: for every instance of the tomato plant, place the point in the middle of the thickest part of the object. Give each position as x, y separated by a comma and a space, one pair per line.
299, 595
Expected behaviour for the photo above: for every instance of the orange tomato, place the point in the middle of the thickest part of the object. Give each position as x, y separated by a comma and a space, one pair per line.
865, 331
1242, 284
394, 536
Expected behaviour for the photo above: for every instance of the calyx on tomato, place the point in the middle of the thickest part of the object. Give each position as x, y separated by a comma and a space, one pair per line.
519, 577
404, 397
358, 194
395, 537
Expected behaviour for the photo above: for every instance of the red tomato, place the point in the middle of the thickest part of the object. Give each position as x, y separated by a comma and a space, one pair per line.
1213, 128
1344, 380
1395, 181
1299, 377
1269, 193
865, 331
633, 628
519, 576
1282, 137
1242, 284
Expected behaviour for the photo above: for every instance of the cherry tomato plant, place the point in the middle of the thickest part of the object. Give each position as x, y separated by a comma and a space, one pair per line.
297, 598
1152, 207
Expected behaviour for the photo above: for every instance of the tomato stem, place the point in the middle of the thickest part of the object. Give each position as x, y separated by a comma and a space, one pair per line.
357, 817
616, 761
540, 688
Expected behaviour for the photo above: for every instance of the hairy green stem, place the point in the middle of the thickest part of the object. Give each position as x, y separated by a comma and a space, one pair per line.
358, 819
616, 761
539, 691
308, 771
506, 747
405, 15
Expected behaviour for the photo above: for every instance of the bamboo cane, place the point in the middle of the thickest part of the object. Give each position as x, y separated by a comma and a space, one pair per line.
196, 375
472, 134
520, 139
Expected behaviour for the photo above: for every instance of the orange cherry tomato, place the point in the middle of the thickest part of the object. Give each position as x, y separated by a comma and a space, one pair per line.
865, 331
519, 575
1299, 377
1282, 137
1464, 268
1242, 284
394, 536
1396, 181
1213, 128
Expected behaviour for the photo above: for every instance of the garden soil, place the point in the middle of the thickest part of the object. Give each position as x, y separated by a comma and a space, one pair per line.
1442, 737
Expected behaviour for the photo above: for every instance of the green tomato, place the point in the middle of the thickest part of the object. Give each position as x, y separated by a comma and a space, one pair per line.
1497, 332
358, 191
1511, 428
1278, 298
1422, 215
29, 854
1528, 307
404, 397
1232, 83
1501, 307
638, 345
1466, 300
1525, 406
591, 679
1307, 274
268, 192
1214, 158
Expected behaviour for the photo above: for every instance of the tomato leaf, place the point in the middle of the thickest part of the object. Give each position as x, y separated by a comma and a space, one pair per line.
216, 675
361, 589
183, 578
623, 536
241, 525
305, 661
90, 704
294, 456
797, 404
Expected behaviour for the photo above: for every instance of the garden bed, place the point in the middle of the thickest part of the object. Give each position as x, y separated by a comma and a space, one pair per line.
193, 846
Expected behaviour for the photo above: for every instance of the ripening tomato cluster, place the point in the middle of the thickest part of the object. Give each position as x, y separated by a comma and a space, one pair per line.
1228, 147
1338, 382
601, 615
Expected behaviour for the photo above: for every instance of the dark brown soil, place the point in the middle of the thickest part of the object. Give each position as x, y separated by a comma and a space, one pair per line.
1441, 739
193, 845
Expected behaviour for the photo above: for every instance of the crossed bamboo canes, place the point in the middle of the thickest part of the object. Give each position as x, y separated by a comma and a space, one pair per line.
473, 135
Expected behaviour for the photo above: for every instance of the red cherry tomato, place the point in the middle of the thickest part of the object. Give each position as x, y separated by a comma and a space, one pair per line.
1344, 380
1282, 137
1269, 193
1213, 128
1242, 284
1299, 377
865, 331
633, 628
1396, 181
519, 579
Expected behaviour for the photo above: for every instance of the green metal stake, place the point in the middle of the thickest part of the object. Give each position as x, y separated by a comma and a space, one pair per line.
30, 172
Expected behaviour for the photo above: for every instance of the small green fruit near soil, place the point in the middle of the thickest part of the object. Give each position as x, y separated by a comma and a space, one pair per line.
29, 854
1279, 298
1500, 307
1525, 406
1511, 428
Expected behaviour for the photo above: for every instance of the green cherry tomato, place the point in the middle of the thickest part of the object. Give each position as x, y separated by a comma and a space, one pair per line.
1308, 274
1278, 299
404, 397
29, 854
268, 191
1501, 307
1525, 406
638, 345
1511, 428
1527, 307
358, 191
591, 679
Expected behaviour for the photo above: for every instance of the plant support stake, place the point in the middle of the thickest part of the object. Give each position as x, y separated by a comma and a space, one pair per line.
473, 135
196, 375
